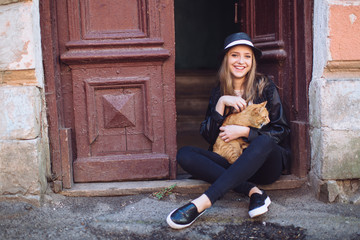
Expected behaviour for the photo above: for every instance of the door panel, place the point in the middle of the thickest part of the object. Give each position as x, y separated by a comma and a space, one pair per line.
282, 30
117, 81
114, 119
265, 24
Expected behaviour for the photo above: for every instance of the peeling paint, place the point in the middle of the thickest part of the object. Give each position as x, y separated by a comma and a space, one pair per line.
352, 18
344, 3
16, 36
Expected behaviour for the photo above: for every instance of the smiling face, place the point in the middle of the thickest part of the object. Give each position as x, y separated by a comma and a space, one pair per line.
240, 59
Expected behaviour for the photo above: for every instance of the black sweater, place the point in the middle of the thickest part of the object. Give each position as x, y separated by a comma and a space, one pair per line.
278, 128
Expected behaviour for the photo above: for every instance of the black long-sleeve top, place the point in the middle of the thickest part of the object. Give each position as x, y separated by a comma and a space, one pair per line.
278, 128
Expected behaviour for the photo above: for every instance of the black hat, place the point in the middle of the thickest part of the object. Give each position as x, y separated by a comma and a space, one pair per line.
240, 38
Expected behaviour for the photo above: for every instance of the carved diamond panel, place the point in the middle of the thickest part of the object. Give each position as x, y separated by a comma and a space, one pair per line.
118, 111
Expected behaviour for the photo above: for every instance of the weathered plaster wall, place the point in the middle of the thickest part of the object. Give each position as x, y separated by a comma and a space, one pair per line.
344, 23
335, 100
24, 154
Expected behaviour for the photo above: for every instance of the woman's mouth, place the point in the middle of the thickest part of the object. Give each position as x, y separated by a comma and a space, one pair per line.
239, 67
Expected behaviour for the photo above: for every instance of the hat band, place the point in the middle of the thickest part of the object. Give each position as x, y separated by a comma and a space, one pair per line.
240, 42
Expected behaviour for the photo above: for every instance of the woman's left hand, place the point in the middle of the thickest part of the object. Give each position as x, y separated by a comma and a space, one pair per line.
231, 132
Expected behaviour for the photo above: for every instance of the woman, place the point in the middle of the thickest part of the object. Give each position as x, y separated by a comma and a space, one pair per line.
265, 158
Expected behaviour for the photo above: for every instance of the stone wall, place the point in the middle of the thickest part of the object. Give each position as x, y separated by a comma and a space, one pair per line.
335, 100
24, 153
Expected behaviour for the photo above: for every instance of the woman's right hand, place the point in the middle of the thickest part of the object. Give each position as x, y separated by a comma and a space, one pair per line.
238, 103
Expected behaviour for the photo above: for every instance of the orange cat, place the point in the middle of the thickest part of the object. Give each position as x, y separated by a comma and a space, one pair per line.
255, 115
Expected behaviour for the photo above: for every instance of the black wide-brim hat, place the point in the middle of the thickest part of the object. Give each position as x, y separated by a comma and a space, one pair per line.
240, 38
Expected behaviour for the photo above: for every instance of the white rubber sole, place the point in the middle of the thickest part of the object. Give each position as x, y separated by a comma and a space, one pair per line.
260, 210
180, 226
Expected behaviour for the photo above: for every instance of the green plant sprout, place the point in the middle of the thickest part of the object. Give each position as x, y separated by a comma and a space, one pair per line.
164, 192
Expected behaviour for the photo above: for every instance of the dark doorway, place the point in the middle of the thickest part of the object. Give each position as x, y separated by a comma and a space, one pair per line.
200, 29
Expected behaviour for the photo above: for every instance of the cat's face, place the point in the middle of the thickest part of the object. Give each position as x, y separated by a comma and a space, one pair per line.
264, 116
260, 115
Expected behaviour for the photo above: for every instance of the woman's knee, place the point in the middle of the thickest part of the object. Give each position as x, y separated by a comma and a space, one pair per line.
184, 155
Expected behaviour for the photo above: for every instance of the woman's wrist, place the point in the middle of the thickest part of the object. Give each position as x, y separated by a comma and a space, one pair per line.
220, 106
246, 132
242, 131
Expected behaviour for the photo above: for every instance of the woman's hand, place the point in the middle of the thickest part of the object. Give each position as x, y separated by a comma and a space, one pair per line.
231, 132
238, 103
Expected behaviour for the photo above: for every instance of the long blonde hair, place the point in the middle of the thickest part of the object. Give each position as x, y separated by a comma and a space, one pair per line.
254, 83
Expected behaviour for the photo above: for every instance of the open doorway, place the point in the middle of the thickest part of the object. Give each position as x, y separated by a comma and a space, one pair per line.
281, 29
200, 29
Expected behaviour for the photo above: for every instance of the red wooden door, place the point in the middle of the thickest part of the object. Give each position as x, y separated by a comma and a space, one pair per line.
282, 29
116, 98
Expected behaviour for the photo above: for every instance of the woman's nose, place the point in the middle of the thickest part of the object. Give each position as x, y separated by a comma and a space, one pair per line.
241, 60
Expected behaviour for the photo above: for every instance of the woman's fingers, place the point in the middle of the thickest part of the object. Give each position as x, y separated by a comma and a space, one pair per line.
223, 135
241, 103
238, 103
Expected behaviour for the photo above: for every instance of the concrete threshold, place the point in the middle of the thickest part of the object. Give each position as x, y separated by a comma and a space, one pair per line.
143, 187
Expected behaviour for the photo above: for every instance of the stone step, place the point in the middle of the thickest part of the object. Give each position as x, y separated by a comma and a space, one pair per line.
183, 186
195, 83
192, 106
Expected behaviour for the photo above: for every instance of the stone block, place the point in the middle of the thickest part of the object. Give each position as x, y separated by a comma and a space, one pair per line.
335, 128
340, 154
22, 168
340, 103
20, 112
334, 104
345, 191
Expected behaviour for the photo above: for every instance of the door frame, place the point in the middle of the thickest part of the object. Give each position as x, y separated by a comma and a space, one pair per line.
50, 54
300, 15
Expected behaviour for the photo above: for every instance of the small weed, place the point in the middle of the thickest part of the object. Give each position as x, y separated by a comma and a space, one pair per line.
164, 192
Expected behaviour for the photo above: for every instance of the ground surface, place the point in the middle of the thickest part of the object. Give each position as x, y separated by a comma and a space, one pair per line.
293, 214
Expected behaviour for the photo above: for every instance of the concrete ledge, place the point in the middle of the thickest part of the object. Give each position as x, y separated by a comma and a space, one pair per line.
182, 186
285, 182
132, 188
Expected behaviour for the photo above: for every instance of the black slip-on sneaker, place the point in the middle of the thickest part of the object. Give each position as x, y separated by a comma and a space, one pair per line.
259, 204
183, 217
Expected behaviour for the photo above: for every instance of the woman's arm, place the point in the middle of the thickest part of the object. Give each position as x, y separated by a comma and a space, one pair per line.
238, 103
278, 128
209, 128
231, 132
214, 118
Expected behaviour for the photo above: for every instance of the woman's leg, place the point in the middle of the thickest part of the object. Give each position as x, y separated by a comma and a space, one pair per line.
202, 164
207, 166
212, 168
260, 162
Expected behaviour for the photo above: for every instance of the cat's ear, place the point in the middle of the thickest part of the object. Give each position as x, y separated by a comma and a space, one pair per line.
263, 104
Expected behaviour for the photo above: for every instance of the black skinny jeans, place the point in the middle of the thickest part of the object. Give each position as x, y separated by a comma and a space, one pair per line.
260, 163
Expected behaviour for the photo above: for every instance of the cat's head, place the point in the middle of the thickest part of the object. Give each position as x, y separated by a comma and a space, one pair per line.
260, 115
